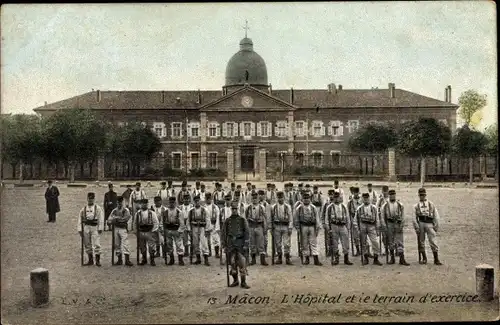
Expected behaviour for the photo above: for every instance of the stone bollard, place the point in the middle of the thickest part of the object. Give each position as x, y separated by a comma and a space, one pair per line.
39, 280
485, 282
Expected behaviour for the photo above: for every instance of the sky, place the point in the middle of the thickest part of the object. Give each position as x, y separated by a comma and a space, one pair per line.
52, 52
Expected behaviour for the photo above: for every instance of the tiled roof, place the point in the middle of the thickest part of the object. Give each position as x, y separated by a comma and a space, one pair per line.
345, 98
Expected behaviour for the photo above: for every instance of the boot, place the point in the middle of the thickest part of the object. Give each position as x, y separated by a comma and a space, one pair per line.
172, 260
181, 259
436, 259
365, 259
120, 260
157, 251
287, 259
152, 259
306, 262
375, 260
198, 259
402, 260
217, 255
127, 260
244, 284
263, 260
316, 261
357, 250
235, 281
253, 262
97, 260
280, 259
335, 259
205, 257
91, 260
144, 260
346, 260
424, 258
393, 259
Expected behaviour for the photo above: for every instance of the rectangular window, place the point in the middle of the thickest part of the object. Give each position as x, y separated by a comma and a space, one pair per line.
336, 128
281, 129
195, 131
299, 158
299, 129
212, 130
176, 160
176, 129
317, 159
335, 158
230, 129
317, 129
264, 131
247, 129
212, 160
353, 126
159, 131
195, 160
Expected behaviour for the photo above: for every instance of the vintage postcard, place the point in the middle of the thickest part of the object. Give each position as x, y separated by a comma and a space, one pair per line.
249, 162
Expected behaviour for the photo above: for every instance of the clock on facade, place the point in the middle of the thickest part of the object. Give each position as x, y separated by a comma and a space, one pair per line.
247, 101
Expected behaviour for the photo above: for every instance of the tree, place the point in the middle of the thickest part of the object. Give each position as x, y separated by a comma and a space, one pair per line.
139, 144
491, 134
373, 138
471, 103
74, 135
21, 140
469, 144
424, 138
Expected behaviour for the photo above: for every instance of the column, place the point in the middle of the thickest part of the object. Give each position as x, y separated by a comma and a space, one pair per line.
262, 164
100, 168
392, 165
230, 164
203, 139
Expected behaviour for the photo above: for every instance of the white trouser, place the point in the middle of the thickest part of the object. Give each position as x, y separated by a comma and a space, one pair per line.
91, 240
121, 241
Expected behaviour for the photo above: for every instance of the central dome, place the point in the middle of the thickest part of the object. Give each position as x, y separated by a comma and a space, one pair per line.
246, 66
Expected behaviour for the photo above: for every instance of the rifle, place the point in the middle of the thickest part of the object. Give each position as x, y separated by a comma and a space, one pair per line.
221, 225
360, 240
226, 235
331, 240
299, 242
420, 255
137, 235
165, 239
190, 239
113, 243
272, 236
351, 229
385, 242
81, 246
209, 242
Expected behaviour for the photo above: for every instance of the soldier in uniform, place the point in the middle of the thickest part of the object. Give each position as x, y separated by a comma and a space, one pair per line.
148, 225
324, 220
256, 216
373, 195
199, 226
338, 189
159, 209
231, 190
218, 195
109, 203
52, 201
241, 205
163, 193
383, 199
181, 196
337, 224
197, 189
270, 194
392, 219
185, 207
298, 193
366, 221
351, 193
267, 209
170, 189
426, 222
92, 218
354, 203
288, 194
248, 194
172, 223
307, 220
119, 218
213, 214
282, 222
137, 195
126, 197
202, 194
235, 240
316, 198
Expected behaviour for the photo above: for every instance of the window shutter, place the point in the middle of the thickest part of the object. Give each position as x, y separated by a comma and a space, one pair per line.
252, 129
242, 131
259, 129
235, 129
224, 129
189, 130
172, 129
287, 129
341, 128
182, 130
323, 132
217, 130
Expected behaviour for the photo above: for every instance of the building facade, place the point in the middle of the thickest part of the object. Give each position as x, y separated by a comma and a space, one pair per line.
236, 128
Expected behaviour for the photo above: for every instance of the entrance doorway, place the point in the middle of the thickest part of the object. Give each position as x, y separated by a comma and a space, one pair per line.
247, 159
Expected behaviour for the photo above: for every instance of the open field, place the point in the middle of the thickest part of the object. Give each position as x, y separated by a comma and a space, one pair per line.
469, 236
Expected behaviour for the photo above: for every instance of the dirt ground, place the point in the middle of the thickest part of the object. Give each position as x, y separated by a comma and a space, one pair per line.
469, 236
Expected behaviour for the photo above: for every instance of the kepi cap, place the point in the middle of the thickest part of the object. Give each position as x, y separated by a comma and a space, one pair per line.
422, 191
391, 192
91, 195
365, 195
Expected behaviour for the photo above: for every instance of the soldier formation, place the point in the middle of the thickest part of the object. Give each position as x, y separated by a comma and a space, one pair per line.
236, 224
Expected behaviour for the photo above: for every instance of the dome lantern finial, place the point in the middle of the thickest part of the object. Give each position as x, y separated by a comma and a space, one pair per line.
246, 28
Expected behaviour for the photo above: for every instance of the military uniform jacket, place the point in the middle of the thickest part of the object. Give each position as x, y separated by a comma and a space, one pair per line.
163, 193
427, 212
219, 197
137, 195
198, 217
392, 212
353, 206
235, 234
373, 196
180, 196
256, 216
307, 215
213, 213
317, 200
120, 217
110, 202
367, 214
224, 213
52, 200
336, 214
91, 216
172, 219
281, 214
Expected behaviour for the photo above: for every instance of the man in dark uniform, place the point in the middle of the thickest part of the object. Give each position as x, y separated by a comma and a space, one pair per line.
52, 201
110, 202
126, 197
235, 241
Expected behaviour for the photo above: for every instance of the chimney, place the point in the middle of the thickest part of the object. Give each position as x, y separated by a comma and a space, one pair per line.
446, 94
98, 95
199, 96
392, 90
178, 99
163, 96
291, 96
340, 87
270, 89
331, 88
449, 93
45, 104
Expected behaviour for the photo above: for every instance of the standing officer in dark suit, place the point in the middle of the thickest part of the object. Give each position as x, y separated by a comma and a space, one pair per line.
110, 202
52, 201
